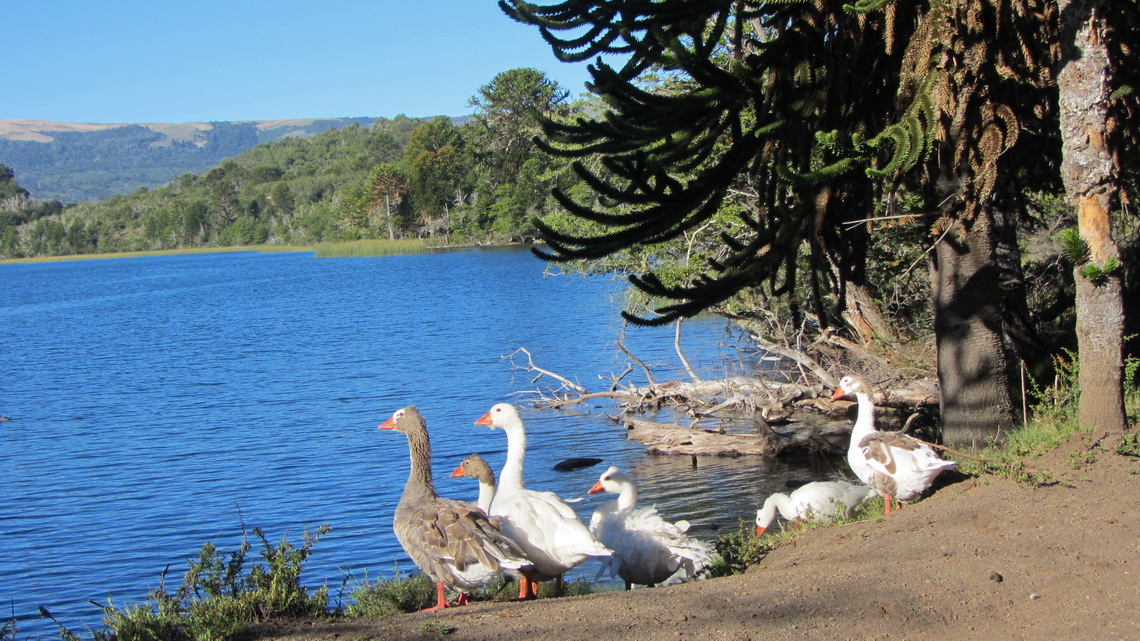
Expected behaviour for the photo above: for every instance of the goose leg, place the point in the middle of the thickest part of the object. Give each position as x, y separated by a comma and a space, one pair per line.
558, 586
440, 601
464, 599
887, 503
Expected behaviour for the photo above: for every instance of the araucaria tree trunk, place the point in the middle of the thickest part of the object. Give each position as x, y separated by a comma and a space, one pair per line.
1088, 172
974, 364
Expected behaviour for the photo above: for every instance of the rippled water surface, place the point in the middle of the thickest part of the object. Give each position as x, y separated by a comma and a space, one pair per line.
159, 403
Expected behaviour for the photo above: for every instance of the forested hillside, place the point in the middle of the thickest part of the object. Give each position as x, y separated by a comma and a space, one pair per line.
482, 180
88, 163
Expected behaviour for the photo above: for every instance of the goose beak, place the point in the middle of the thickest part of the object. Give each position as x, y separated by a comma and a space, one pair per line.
458, 472
760, 530
389, 424
485, 420
839, 393
597, 489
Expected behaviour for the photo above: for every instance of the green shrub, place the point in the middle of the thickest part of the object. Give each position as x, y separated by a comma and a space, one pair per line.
391, 596
219, 597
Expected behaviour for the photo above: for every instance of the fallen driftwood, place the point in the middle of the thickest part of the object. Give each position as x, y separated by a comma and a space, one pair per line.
664, 438
697, 397
767, 404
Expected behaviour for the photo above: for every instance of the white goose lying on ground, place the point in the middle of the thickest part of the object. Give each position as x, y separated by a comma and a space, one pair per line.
898, 466
454, 543
545, 527
648, 550
819, 499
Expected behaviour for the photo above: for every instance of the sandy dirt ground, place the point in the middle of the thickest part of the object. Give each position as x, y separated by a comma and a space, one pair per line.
980, 558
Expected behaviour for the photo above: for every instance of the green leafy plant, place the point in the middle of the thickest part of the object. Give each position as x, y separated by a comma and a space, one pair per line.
1098, 274
1076, 250
219, 595
1073, 248
1129, 445
740, 549
402, 593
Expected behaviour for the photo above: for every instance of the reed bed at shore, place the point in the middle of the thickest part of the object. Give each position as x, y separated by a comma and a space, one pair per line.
372, 247
346, 249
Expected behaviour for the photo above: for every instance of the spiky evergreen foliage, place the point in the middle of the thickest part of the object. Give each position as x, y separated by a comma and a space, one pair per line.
769, 99
973, 76
795, 102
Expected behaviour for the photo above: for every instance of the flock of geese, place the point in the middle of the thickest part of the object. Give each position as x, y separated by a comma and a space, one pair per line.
537, 537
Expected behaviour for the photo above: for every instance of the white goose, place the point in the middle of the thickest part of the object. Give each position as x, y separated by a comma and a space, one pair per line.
819, 499
545, 527
454, 543
898, 466
648, 550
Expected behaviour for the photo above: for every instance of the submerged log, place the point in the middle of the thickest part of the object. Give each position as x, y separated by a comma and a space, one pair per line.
576, 463
664, 438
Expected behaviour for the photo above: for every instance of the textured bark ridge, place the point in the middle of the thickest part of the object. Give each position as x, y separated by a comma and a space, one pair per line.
973, 361
1088, 172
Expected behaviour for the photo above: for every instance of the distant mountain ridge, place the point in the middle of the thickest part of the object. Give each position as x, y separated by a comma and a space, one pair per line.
78, 162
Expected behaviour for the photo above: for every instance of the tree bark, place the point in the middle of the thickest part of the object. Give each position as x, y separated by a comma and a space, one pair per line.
974, 365
1088, 172
865, 317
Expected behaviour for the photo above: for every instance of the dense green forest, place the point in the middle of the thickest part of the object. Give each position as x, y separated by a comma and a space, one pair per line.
85, 166
482, 180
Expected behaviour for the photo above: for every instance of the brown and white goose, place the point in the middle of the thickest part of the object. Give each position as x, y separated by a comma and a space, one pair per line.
475, 467
897, 466
546, 528
455, 543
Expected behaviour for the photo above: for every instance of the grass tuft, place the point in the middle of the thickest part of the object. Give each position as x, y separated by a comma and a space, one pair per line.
414, 592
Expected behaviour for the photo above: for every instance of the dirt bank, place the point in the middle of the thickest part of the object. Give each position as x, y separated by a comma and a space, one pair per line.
982, 558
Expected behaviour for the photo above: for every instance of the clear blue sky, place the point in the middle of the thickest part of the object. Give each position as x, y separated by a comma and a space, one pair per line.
184, 61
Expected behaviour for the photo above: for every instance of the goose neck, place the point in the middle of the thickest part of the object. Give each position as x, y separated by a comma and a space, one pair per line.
419, 477
865, 418
781, 502
486, 495
511, 478
627, 498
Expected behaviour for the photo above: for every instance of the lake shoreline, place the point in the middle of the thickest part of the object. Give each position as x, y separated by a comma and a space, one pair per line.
332, 249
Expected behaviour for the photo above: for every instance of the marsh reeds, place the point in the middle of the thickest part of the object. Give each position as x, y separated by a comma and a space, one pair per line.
372, 248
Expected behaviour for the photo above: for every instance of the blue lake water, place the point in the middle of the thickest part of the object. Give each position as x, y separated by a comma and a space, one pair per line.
159, 403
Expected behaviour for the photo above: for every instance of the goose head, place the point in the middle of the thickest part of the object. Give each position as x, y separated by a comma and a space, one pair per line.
475, 467
501, 415
406, 419
764, 518
766, 514
849, 385
612, 480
